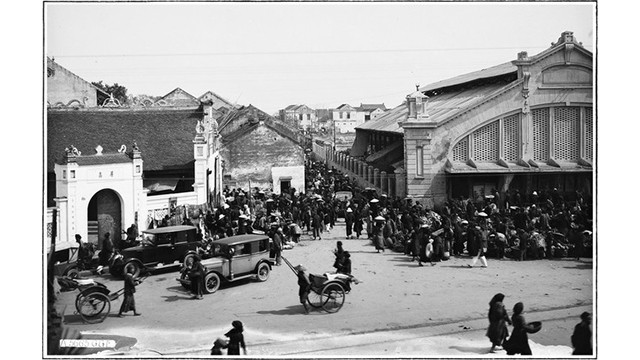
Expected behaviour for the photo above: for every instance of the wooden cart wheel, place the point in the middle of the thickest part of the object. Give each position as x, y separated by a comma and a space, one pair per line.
332, 297
314, 299
94, 307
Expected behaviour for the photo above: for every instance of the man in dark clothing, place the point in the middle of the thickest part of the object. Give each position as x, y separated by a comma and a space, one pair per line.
105, 252
317, 225
581, 338
278, 238
304, 286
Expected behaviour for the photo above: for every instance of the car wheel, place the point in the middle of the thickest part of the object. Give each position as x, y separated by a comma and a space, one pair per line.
136, 268
211, 283
263, 272
72, 272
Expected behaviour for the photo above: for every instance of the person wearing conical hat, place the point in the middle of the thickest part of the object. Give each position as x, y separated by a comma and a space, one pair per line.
378, 239
304, 286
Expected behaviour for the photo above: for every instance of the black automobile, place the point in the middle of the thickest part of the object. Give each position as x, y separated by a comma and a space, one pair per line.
165, 245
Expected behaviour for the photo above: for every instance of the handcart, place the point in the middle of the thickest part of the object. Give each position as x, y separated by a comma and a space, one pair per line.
328, 291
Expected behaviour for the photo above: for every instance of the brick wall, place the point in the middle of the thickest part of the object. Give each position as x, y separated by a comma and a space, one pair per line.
251, 156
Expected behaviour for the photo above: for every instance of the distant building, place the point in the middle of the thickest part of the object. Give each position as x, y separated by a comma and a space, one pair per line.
301, 115
346, 118
372, 111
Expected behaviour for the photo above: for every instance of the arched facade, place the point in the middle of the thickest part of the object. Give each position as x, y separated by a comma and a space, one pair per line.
530, 133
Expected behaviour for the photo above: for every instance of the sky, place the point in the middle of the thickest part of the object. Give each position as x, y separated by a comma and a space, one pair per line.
273, 55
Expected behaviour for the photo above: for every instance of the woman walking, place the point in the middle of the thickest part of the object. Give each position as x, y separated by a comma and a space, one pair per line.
518, 343
129, 303
498, 319
236, 339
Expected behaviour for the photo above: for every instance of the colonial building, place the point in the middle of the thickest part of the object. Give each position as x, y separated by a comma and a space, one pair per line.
524, 125
346, 118
259, 150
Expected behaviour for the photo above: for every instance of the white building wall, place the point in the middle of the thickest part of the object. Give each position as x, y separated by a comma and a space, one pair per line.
293, 173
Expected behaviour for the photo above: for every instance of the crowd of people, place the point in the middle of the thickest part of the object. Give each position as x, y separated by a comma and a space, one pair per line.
540, 225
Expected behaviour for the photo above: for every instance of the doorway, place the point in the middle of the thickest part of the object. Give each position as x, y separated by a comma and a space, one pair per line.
104, 215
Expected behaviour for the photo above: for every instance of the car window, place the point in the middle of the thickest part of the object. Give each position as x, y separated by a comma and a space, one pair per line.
243, 249
263, 244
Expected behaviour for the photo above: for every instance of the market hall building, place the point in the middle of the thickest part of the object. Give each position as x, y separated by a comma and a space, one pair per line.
524, 125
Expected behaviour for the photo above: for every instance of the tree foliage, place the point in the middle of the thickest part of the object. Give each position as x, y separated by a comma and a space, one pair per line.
119, 92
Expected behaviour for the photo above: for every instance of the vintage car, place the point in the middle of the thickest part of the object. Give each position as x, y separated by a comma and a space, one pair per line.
165, 245
235, 258
65, 260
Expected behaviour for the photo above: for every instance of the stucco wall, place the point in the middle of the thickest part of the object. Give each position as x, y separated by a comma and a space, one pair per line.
295, 174
64, 87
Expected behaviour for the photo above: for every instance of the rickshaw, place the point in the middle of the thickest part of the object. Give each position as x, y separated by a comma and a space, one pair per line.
93, 303
328, 291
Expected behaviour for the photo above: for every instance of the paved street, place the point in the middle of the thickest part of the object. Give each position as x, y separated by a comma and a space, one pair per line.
399, 309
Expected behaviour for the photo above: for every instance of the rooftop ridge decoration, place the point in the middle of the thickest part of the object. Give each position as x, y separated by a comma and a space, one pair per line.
111, 102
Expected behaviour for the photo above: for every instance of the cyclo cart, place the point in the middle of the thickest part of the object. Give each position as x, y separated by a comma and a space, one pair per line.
328, 291
93, 303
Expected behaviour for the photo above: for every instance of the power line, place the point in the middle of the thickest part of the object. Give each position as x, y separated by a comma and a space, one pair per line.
234, 53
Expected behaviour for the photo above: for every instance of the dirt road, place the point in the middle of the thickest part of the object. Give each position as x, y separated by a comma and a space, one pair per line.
398, 309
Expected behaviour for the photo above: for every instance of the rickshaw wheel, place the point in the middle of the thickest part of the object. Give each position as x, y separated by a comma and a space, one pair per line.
94, 307
332, 297
314, 299
72, 272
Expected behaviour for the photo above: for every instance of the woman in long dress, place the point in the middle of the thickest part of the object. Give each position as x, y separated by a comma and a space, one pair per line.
518, 343
498, 319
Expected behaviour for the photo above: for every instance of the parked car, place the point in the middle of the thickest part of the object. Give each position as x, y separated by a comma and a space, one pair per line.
65, 260
235, 258
165, 245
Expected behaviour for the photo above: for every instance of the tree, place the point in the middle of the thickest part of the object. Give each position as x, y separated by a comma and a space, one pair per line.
119, 92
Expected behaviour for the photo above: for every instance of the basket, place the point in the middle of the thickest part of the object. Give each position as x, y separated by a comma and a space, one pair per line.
534, 327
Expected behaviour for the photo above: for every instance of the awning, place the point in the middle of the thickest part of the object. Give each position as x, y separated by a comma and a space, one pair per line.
157, 185
493, 168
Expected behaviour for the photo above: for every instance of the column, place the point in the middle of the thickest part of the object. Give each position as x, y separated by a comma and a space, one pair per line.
370, 174
383, 182
391, 186
401, 182
376, 178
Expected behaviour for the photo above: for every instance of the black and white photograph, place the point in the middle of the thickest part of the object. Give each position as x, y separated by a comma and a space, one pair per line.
319, 179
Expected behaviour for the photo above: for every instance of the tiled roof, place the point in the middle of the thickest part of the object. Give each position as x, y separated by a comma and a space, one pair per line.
343, 106
216, 100
439, 108
180, 98
104, 158
371, 107
493, 71
164, 136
